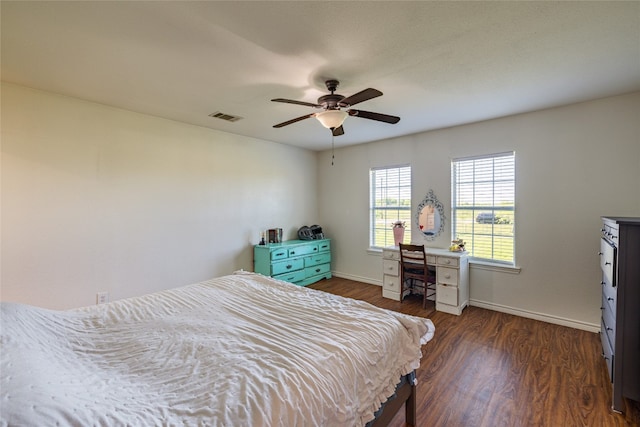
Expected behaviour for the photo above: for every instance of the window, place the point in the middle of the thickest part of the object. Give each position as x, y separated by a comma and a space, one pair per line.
483, 203
390, 201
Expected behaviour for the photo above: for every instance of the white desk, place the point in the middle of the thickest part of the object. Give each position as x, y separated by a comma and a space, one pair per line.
452, 277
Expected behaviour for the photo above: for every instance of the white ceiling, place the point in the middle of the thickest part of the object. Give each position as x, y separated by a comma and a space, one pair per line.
439, 64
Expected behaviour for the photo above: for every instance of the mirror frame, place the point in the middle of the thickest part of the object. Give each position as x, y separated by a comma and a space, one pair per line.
431, 200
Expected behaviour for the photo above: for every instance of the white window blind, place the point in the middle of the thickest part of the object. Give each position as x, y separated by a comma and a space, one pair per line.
483, 203
390, 201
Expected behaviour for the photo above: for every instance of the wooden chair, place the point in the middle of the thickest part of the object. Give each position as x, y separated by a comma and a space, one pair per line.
413, 267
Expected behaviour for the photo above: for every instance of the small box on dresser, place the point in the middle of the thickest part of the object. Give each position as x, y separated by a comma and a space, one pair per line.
620, 321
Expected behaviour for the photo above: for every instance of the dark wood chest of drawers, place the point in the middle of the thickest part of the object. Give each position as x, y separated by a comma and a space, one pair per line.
620, 333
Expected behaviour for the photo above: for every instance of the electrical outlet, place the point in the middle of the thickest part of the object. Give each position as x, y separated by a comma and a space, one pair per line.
102, 298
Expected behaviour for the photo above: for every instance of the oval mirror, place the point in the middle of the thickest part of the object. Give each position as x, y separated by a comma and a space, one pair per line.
430, 216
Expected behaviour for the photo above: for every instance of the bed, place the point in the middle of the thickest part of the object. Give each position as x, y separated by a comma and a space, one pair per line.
239, 350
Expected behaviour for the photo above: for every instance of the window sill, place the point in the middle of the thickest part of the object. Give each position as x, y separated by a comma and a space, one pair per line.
491, 266
374, 251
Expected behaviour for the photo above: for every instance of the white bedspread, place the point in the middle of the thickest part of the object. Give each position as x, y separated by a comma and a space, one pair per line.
240, 350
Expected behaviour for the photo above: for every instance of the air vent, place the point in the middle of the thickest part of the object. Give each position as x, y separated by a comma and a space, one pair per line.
224, 116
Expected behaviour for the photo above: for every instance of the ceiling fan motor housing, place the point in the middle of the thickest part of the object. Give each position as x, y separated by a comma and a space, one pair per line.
332, 85
330, 102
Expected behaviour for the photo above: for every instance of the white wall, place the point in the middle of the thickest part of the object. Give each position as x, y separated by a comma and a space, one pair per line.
573, 165
100, 199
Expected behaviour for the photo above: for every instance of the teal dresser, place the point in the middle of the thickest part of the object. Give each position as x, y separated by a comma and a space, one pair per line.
301, 262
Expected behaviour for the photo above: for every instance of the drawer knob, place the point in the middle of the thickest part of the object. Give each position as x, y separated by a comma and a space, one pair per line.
607, 263
447, 276
609, 299
599, 253
609, 329
289, 266
602, 282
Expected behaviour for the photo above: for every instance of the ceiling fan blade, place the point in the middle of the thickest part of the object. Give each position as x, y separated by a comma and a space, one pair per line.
374, 116
338, 131
291, 101
361, 96
297, 119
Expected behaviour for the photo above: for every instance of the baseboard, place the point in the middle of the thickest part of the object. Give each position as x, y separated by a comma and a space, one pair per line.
590, 327
357, 278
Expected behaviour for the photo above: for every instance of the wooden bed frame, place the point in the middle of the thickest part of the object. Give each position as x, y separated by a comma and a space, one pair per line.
405, 394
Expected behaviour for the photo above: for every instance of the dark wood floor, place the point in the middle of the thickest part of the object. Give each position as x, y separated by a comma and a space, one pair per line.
486, 368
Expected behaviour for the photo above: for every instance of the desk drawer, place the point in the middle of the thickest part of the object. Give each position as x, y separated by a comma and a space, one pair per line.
445, 260
447, 294
391, 283
287, 266
387, 254
431, 259
448, 276
390, 267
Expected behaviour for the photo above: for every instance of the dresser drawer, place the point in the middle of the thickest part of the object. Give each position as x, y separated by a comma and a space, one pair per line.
281, 253
390, 267
607, 261
447, 294
303, 250
321, 258
324, 246
607, 352
447, 276
288, 265
318, 269
609, 297
444, 260
292, 277
391, 283
609, 322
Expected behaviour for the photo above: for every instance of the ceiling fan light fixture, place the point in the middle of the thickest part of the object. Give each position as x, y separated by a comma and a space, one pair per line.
331, 119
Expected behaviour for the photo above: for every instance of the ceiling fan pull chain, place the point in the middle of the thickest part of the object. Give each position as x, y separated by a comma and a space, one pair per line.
332, 148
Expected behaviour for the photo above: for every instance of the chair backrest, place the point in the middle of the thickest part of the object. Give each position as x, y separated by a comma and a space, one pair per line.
413, 254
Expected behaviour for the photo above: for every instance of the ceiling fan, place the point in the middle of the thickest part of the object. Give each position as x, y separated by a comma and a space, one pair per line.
333, 114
